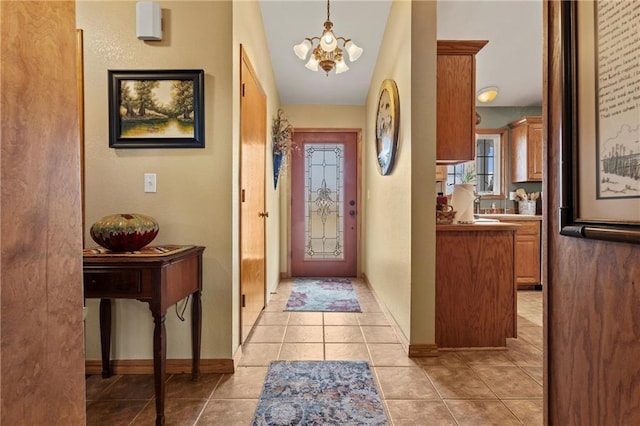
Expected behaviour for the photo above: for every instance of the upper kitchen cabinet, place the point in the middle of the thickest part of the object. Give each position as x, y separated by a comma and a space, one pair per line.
456, 97
526, 150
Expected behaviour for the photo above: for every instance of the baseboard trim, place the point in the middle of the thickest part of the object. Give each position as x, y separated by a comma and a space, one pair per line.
174, 366
423, 351
394, 324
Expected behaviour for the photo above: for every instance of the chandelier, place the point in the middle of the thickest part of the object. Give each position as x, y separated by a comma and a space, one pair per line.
326, 53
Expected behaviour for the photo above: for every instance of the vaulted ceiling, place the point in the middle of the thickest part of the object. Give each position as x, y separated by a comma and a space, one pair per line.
512, 60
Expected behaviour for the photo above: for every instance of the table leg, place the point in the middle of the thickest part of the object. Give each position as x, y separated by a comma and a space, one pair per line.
159, 364
105, 336
196, 331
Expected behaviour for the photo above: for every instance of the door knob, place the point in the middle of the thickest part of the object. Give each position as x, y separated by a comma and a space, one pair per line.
263, 214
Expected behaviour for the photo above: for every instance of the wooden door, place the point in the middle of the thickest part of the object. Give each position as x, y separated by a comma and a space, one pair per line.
42, 335
324, 204
253, 135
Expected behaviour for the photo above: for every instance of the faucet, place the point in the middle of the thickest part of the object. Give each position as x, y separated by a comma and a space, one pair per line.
477, 203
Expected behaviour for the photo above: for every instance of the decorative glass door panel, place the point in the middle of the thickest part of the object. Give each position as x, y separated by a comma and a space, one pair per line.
324, 220
323, 211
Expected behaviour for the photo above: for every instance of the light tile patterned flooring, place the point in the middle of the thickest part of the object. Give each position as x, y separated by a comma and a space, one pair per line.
457, 388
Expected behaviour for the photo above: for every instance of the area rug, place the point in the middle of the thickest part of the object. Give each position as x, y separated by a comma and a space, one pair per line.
323, 295
319, 393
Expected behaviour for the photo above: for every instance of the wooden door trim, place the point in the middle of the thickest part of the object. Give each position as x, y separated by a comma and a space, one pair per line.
359, 168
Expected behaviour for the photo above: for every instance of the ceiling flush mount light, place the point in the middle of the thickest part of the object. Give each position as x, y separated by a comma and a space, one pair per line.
327, 54
488, 94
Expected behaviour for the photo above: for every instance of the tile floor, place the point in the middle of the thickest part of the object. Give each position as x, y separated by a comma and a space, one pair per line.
457, 388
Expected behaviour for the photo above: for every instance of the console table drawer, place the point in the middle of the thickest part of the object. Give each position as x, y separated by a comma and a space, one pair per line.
113, 283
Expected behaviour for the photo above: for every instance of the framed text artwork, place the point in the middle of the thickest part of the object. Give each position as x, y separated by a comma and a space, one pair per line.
601, 124
387, 126
156, 109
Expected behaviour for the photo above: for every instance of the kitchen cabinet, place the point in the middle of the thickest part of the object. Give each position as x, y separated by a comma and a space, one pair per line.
527, 253
528, 243
476, 295
456, 100
526, 150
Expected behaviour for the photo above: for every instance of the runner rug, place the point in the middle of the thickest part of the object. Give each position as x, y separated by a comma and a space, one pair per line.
323, 295
319, 393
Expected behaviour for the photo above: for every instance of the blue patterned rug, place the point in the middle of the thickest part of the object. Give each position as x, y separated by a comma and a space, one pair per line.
323, 295
319, 393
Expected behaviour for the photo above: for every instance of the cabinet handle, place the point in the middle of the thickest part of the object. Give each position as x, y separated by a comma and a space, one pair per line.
263, 214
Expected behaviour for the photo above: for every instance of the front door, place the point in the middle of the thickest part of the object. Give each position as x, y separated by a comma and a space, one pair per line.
324, 204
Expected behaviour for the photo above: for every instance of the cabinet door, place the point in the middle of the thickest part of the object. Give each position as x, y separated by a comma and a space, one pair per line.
456, 108
456, 100
526, 150
528, 253
528, 259
534, 152
519, 154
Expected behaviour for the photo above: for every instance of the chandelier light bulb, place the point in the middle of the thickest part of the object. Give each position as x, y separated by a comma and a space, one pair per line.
328, 42
302, 49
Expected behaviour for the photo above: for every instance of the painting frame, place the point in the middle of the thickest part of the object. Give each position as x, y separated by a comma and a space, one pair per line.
186, 125
387, 126
574, 222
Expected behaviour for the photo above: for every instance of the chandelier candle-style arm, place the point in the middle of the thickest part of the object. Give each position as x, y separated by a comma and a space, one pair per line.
327, 54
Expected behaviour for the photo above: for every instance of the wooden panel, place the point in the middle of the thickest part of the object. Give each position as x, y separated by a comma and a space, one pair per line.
534, 153
475, 288
253, 135
456, 100
42, 348
528, 259
174, 366
518, 154
593, 299
528, 243
526, 150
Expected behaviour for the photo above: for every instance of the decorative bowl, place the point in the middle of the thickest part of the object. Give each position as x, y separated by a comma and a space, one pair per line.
124, 232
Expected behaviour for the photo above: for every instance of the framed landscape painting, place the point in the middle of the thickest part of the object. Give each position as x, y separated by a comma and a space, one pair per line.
156, 109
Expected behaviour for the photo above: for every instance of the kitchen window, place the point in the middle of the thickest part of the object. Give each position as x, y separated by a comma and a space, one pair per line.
487, 172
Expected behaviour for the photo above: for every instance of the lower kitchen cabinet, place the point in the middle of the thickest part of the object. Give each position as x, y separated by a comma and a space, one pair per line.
476, 298
528, 253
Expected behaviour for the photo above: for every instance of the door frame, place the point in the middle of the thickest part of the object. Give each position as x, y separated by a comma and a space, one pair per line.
359, 198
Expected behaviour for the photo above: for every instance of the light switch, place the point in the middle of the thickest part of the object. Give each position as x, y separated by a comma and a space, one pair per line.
149, 182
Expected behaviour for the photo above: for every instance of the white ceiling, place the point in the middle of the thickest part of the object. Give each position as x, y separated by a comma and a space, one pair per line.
512, 60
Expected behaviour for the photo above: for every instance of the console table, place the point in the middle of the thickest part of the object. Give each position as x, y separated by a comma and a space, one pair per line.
160, 276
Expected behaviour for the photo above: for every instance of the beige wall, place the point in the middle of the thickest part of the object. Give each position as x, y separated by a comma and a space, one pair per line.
399, 226
326, 116
197, 188
423, 158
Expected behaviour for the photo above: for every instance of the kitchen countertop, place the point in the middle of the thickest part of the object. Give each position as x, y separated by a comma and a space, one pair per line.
478, 226
537, 217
